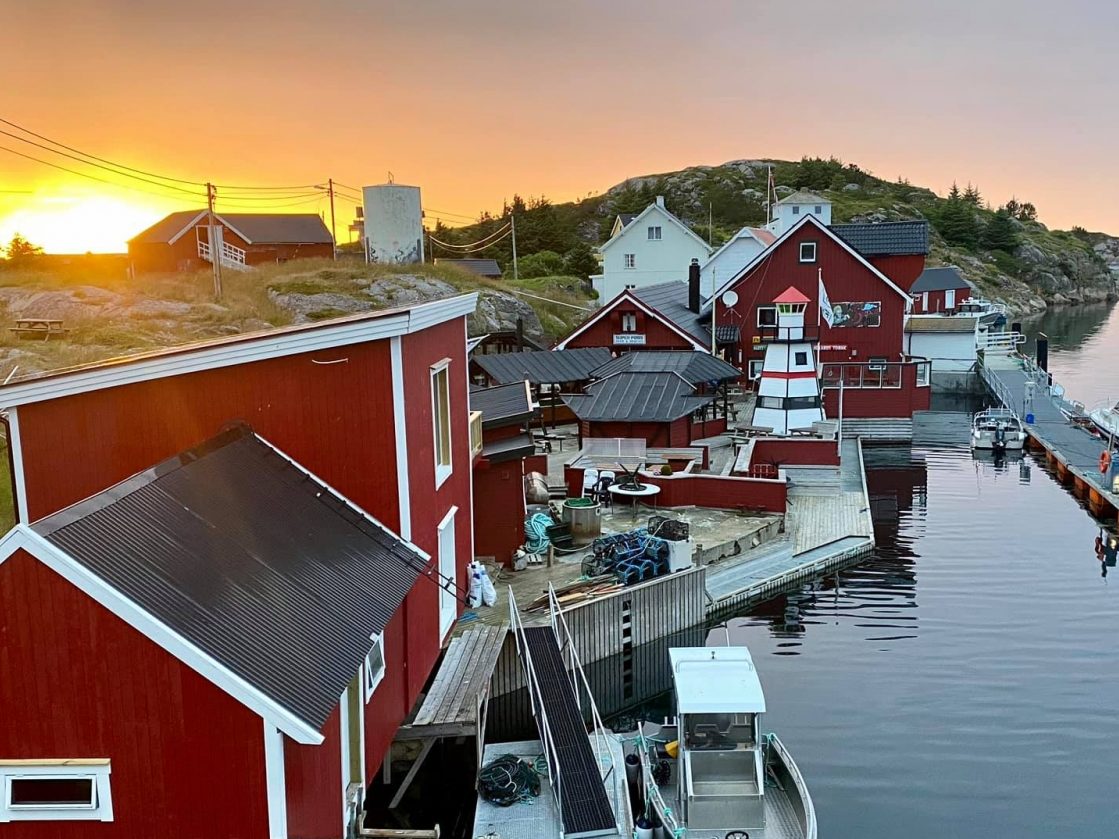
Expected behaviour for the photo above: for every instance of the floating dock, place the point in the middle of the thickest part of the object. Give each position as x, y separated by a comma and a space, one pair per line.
1072, 452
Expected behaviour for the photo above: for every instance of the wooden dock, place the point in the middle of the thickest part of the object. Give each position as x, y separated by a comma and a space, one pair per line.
1072, 452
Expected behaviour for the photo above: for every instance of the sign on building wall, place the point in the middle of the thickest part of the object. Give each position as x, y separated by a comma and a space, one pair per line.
856, 314
630, 339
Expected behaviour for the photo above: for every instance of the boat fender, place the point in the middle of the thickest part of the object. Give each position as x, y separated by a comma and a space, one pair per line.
643, 828
673, 749
1105, 462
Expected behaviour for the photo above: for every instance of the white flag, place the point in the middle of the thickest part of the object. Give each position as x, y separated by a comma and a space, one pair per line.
825, 304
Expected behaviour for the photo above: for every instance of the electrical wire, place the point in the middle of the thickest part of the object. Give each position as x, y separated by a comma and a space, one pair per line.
95, 178
485, 241
248, 205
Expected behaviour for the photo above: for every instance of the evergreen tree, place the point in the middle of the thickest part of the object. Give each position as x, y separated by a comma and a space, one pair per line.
20, 248
956, 221
999, 234
972, 196
580, 261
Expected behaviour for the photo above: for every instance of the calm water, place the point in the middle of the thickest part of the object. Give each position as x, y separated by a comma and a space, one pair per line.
965, 681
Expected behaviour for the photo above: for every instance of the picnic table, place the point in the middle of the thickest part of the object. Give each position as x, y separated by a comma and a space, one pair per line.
45, 328
546, 439
754, 430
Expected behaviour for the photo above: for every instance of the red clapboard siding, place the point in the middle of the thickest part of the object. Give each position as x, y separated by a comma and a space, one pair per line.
607, 324
845, 279
884, 402
313, 775
795, 452
499, 514
719, 492
186, 758
903, 270
334, 419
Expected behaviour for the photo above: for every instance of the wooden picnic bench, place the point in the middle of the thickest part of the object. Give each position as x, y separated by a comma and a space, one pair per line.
754, 430
45, 328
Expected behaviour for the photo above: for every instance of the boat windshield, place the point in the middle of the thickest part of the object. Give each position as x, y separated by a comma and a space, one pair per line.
718, 731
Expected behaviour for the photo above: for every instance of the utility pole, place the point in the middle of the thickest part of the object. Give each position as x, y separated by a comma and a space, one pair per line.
513, 226
333, 233
215, 247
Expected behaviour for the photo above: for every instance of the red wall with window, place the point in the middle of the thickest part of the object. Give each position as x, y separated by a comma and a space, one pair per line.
936, 301
607, 323
895, 402
846, 279
186, 758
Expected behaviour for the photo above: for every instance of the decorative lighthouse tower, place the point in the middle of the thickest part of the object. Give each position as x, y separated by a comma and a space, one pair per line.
789, 392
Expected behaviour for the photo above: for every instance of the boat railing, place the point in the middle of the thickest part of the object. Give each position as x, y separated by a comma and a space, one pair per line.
798, 780
653, 793
579, 680
536, 702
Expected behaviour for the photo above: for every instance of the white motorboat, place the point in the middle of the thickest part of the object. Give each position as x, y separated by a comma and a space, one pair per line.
712, 771
997, 429
1105, 417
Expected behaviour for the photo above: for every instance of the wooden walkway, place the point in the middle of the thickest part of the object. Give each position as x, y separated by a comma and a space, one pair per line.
1073, 452
453, 707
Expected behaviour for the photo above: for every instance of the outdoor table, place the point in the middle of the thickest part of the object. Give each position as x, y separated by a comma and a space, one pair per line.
634, 493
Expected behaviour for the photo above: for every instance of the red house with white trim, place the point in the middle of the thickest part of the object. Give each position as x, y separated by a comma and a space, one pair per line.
155, 527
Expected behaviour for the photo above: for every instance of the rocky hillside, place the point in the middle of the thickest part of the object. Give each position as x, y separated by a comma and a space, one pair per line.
1019, 260
109, 316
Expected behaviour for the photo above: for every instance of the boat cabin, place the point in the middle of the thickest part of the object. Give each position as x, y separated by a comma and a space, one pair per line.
719, 701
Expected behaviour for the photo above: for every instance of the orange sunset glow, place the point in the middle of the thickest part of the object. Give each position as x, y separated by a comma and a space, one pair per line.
477, 101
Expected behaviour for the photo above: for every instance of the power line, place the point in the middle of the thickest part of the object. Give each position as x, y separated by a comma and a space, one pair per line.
94, 177
247, 205
496, 236
471, 219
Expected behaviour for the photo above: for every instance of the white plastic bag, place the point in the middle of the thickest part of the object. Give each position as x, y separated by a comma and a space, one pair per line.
475, 593
489, 593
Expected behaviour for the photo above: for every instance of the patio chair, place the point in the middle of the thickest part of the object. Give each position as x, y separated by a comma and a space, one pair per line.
606, 478
590, 482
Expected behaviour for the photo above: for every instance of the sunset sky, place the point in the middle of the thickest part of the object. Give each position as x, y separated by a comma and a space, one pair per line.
474, 101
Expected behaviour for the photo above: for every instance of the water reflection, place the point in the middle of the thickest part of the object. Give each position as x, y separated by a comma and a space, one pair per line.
1083, 346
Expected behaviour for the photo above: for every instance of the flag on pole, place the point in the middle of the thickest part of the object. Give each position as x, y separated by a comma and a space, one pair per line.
825, 304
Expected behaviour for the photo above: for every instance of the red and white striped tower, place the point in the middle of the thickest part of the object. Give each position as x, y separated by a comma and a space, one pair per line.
789, 391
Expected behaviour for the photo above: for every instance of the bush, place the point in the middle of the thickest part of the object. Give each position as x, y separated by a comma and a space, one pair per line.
666, 470
542, 264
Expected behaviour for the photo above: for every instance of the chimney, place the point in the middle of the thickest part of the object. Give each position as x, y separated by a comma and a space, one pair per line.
693, 286
660, 201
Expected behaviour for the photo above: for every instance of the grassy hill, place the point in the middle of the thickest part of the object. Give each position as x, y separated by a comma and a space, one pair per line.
1018, 260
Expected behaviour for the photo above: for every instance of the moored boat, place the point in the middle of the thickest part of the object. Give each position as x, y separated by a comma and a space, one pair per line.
1106, 418
712, 770
997, 429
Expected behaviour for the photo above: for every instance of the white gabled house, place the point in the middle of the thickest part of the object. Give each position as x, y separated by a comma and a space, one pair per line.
652, 248
795, 206
729, 260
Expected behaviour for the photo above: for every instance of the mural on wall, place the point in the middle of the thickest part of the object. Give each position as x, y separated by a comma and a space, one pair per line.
856, 314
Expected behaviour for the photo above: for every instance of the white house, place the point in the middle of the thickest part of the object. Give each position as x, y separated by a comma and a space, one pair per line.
792, 208
729, 260
654, 247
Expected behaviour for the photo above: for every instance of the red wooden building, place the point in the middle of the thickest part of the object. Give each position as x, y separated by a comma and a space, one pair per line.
896, 248
659, 317
939, 290
181, 241
176, 734
869, 309
507, 453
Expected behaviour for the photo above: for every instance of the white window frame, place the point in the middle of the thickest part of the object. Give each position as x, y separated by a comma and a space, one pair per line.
629, 321
923, 373
796, 210
949, 299
819, 209
654, 232
442, 470
99, 808
758, 316
804, 258
877, 363
448, 579
755, 372
372, 676
796, 358
629, 261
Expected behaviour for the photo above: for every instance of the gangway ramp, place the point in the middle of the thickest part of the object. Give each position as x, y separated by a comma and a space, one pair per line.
579, 770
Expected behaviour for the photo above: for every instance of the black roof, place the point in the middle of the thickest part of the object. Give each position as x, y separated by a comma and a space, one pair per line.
886, 238
481, 267
728, 333
693, 367
626, 218
257, 228
501, 404
251, 560
543, 366
938, 279
671, 300
637, 397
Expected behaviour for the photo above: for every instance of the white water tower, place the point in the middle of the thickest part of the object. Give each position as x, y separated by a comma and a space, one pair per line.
393, 224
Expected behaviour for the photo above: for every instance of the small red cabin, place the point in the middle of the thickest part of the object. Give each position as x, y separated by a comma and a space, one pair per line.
939, 290
181, 241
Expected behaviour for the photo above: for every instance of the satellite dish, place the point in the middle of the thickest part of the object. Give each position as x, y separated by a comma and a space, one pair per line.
730, 298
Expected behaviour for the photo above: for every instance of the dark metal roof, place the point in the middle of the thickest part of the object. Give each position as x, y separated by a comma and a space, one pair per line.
257, 228
543, 366
671, 300
279, 228
251, 560
693, 367
626, 218
481, 267
501, 403
728, 334
509, 448
938, 279
637, 397
886, 238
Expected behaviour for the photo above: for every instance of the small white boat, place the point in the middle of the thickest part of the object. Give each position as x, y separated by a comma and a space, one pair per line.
711, 771
1106, 418
997, 429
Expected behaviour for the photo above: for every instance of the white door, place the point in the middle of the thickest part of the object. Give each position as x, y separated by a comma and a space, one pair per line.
950, 298
448, 574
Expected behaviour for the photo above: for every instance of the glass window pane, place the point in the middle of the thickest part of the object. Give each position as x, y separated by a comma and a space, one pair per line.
52, 792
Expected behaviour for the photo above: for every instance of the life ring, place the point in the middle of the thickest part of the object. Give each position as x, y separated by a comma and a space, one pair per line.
1105, 462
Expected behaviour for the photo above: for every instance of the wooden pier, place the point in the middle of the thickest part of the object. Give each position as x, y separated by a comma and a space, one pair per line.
1073, 453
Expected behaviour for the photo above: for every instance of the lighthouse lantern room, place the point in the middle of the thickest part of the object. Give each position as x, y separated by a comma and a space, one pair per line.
789, 390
